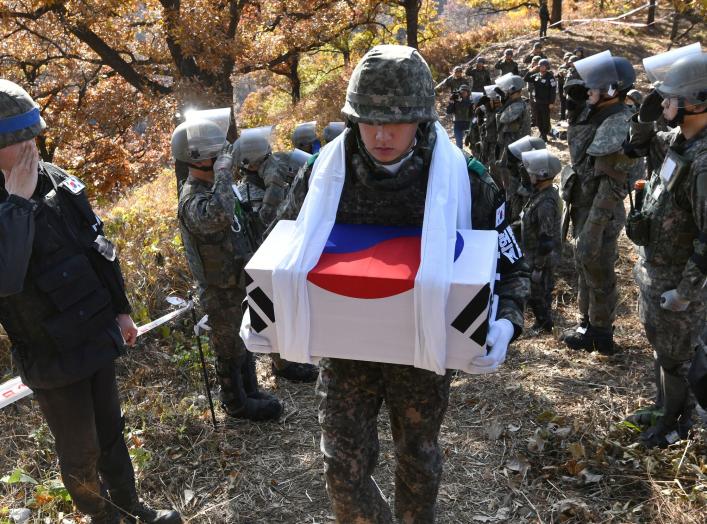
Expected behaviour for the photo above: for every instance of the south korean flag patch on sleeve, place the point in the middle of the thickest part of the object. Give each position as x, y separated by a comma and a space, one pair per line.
73, 184
500, 214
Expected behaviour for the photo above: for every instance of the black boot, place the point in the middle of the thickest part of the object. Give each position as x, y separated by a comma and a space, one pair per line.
592, 339
582, 326
662, 435
109, 515
135, 510
296, 372
250, 380
542, 326
236, 401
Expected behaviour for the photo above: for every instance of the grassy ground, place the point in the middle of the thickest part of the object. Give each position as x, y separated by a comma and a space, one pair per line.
543, 440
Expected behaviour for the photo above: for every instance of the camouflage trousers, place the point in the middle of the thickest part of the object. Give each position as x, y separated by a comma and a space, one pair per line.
674, 337
352, 393
540, 301
595, 258
223, 305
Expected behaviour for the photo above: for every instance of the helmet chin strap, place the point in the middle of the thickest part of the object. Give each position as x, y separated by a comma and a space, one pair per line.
203, 168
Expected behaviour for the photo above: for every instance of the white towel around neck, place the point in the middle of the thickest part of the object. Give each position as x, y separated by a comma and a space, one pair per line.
447, 208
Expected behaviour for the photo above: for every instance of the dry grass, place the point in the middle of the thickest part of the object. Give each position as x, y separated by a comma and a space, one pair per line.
541, 441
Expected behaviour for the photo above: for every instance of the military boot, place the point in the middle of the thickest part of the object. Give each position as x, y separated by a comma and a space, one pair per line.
592, 339
250, 380
582, 326
662, 435
134, 510
235, 400
294, 371
109, 515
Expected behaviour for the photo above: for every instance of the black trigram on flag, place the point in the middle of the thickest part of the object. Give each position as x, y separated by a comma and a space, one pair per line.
471, 312
258, 297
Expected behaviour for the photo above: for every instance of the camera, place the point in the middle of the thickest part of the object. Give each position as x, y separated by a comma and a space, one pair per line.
456, 96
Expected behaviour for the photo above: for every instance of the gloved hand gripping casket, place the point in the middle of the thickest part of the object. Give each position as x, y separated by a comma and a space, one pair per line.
361, 295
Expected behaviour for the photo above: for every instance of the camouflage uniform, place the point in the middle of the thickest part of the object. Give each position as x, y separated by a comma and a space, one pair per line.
673, 256
541, 246
512, 123
216, 257
506, 66
596, 196
352, 392
453, 83
478, 78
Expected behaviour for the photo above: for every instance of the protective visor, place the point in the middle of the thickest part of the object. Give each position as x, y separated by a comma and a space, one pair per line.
509, 82
541, 163
522, 145
491, 92
205, 139
305, 133
658, 66
597, 71
221, 116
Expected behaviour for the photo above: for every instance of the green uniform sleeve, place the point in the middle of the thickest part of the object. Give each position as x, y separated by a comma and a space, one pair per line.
211, 211
695, 273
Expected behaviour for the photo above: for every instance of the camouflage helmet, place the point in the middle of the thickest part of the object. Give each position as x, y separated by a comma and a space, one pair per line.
458, 69
19, 115
537, 45
510, 83
544, 62
686, 80
481, 60
465, 87
391, 84
508, 52
197, 139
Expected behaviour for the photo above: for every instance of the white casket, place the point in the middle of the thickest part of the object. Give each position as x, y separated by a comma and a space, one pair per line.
361, 294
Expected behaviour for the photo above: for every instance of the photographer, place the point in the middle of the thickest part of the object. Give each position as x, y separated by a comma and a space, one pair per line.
461, 107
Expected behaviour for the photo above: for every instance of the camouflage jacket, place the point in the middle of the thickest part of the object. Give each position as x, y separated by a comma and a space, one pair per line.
479, 78
512, 123
266, 188
601, 167
372, 196
540, 224
507, 66
453, 83
214, 239
677, 250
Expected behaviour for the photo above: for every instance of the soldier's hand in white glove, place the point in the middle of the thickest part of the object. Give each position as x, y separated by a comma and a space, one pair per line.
672, 301
21, 179
499, 336
224, 160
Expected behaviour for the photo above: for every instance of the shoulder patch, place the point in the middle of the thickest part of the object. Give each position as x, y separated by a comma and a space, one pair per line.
610, 135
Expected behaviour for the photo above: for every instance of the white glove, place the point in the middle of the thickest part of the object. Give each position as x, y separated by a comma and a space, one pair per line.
224, 161
499, 336
672, 301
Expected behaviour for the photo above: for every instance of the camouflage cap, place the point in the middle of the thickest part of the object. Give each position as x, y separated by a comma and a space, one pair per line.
19, 115
391, 84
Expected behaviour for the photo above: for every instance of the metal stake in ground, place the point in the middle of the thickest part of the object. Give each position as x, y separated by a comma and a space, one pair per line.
203, 363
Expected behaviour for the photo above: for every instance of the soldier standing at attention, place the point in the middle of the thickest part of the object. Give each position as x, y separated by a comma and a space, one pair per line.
63, 305
506, 64
264, 179
540, 225
388, 148
478, 75
217, 246
596, 194
512, 123
544, 90
453, 81
671, 232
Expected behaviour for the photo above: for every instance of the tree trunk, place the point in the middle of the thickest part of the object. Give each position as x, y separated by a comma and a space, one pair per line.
412, 10
556, 13
676, 26
295, 81
651, 15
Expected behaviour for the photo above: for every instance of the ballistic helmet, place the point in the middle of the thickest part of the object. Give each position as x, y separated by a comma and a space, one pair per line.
19, 115
465, 87
527, 143
686, 80
625, 72
481, 60
457, 69
508, 52
304, 134
544, 62
332, 130
509, 83
197, 139
254, 145
541, 164
537, 45
391, 84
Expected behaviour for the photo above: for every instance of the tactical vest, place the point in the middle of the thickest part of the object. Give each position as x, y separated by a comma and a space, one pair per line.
63, 303
529, 226
216, 259
667, 208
